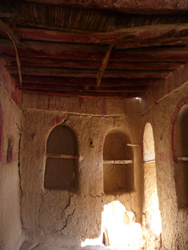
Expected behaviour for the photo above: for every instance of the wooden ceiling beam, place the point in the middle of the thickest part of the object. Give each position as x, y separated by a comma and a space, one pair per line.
127, 6
93, 52
62, 72
54, 50
90, 82
84, 94
7, 15
55, 63
59, 36
153, 42
85, 88
151, 35
175, 54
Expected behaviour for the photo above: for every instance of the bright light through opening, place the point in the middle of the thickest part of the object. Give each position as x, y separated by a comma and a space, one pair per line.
119, 231
119, 228
155, 224
139, 99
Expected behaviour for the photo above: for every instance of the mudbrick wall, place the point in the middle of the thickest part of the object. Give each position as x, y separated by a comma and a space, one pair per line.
64, 218
162, 116
44, 218
10, 120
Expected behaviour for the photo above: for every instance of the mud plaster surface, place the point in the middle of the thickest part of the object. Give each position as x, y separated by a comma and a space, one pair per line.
56, 217
63, 218
43, 246
10, 232
153, 241
174, 220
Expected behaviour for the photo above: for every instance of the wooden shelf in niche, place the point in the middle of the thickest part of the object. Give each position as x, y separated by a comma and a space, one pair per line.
60, 156
118, 162
182, 158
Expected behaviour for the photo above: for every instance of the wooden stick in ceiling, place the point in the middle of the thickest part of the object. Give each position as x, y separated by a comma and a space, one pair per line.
14, 41
104, 64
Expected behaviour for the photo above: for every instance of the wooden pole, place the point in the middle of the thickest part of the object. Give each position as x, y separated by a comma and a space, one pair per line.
14, 40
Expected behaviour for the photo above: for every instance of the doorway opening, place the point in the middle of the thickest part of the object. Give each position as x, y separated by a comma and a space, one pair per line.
118, 230
151, 213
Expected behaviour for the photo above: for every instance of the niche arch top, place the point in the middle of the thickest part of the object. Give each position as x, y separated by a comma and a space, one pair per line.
120, 150
62, 140
118, 173
148, 143
61, 159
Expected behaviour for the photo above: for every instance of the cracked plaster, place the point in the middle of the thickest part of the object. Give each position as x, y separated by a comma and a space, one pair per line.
58, 215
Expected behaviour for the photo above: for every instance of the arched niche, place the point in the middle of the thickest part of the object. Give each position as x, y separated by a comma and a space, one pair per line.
118, 172
180, 144
148, 143
152, 217
61, 161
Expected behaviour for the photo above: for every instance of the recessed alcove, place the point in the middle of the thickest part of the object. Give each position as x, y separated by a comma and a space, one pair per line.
151, 224
180, 143
61, 162
118, 173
